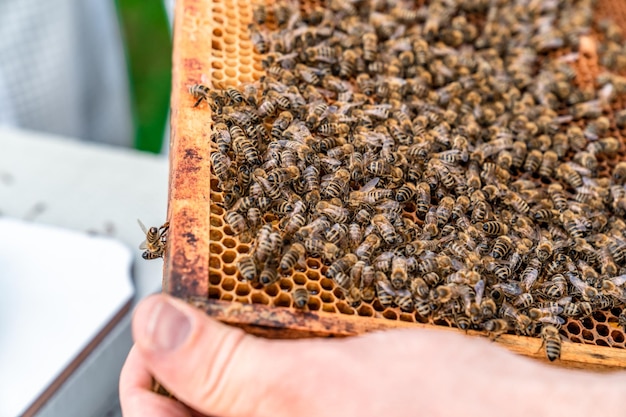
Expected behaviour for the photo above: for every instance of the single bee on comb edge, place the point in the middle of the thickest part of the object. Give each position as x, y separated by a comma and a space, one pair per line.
551, 341
154, 243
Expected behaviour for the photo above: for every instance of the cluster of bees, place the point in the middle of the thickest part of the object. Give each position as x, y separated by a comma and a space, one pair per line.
442, 160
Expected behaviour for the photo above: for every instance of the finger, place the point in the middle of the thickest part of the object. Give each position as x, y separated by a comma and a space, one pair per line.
207, 365
136, 398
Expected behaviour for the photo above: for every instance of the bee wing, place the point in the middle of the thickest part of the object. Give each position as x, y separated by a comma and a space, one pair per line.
551, 309
301, 262
370, 185
143, 245
619, 280
479, 289
143, 226
579, 168
287, 56
511, 287
457, 264
326, 178
558, 245
555, 320
331, 163
564, 300
386, 286
575, 280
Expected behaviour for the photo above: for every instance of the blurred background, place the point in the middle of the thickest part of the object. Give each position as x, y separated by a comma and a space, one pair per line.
147, 38
84, 108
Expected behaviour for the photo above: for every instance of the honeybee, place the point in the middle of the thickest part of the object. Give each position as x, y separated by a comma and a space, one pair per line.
430, 224
496, 327
221, 137
558, 197
384, 291
370, 46
462, 322
548, 164
620, 119
300, 297
552, 342
282, 12
444, 293
338, 184
569, 175
236, 222
385, 228
573, 224
264, 243
587, 160
525, 300
341, 265
295, 252
587, 291
368, 246
609, 145
267, 107
399, 274
254, 217
422, 199
576, 137
154, 243
531, 274
522, 321
259, 14
283, 175
501, 247
269, 273
200, 92
334, 212
234, 95
622, 319
406, 192
494, 228
519, 153
244, 147
221, 165
247, 267
423, 307
296, 220
307, 74
316, 113
589, 109
404, 300
533, 161
419, 288
317, 247
354, 296
614, 287
444, 210
560, 144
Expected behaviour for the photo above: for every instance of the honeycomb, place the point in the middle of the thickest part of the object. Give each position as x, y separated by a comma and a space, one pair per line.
232, 61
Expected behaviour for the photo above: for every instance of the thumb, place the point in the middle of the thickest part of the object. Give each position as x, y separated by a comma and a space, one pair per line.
217, 369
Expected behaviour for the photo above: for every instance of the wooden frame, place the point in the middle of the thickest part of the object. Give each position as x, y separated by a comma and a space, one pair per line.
187, 259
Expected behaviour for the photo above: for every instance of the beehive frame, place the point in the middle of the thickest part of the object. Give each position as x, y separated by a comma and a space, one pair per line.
211, 44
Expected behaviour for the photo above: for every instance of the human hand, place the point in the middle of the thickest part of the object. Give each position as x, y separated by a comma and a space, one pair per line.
220, 371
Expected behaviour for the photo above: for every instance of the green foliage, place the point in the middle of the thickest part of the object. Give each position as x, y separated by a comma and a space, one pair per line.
148, 51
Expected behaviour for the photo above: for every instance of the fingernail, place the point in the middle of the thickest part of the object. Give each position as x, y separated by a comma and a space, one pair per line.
168, 327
